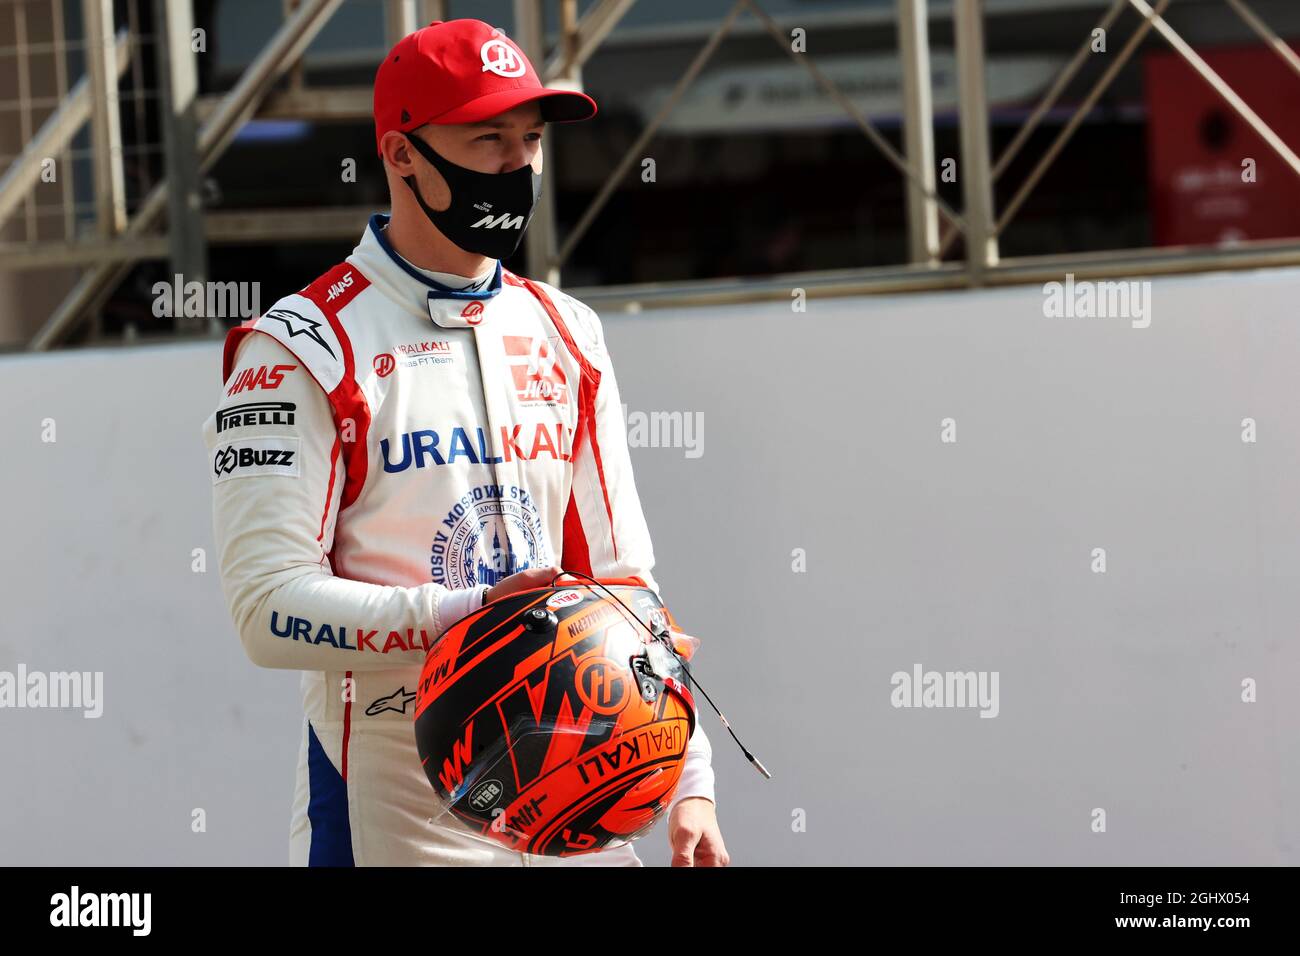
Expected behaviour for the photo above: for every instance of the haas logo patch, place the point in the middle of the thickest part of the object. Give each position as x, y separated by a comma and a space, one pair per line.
338, 288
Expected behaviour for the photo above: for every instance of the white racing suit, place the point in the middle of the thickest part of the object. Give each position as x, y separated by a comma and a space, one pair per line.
386, 448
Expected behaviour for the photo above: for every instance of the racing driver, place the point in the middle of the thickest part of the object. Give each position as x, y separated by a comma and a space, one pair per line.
414, 433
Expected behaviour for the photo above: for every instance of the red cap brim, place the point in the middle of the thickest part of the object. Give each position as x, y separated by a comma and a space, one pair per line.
558, 106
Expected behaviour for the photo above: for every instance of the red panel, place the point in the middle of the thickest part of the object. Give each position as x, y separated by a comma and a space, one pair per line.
1196, 144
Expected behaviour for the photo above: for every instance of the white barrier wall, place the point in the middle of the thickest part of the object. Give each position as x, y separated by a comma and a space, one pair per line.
1119, 691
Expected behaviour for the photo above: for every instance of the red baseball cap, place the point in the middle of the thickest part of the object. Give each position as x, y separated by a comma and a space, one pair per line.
463, 71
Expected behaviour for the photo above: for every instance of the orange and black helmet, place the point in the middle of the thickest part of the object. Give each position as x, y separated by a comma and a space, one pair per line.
555, 721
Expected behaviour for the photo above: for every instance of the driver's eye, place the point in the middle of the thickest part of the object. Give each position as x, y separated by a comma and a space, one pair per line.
530, 137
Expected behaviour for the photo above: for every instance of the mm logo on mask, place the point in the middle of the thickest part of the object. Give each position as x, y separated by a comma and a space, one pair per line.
503, 221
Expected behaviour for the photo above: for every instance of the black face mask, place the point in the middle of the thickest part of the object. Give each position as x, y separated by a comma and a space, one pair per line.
489, 211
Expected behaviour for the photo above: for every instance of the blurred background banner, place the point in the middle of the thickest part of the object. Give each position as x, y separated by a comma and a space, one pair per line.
784, 96
1197, 145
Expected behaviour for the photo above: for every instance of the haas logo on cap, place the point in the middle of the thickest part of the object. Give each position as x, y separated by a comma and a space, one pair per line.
500, 57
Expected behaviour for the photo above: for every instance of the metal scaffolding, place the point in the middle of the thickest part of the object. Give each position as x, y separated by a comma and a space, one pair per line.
198, 129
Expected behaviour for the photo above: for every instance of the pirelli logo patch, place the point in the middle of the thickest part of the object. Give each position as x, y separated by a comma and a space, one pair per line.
255, 456
255, 413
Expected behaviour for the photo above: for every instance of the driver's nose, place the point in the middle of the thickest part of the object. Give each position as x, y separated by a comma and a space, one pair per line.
517, 156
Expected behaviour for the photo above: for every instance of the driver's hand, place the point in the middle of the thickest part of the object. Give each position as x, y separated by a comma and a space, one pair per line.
523, 581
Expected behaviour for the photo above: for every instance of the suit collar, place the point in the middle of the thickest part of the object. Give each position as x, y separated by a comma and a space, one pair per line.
417, 292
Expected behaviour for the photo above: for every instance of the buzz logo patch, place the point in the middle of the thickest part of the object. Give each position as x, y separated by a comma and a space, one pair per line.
255, 456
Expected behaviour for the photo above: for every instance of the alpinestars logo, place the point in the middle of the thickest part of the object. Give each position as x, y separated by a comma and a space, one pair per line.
301, 325
396, 702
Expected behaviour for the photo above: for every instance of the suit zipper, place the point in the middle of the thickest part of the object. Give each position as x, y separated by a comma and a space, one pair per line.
500, 521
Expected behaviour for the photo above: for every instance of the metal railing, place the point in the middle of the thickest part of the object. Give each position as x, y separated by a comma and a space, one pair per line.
197, 130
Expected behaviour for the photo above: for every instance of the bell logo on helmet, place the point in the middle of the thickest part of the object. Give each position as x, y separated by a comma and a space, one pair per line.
486, 794
564, 599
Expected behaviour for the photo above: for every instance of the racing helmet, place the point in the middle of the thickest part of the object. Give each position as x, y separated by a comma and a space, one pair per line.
555, 721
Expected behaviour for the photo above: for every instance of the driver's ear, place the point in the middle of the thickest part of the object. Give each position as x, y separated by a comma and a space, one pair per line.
397, 151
